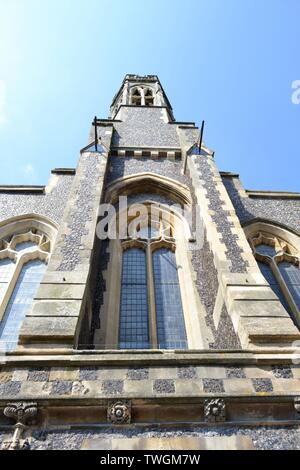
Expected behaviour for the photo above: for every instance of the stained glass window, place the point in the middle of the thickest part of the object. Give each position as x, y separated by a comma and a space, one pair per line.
134, 323
171, 332
25, 289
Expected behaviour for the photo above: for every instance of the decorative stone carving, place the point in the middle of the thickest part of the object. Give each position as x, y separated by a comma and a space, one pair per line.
21, 413
119, 412
297, 404
214, 410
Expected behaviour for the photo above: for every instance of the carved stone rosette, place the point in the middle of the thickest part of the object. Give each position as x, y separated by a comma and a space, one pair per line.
119, 412
215, 410
21, 413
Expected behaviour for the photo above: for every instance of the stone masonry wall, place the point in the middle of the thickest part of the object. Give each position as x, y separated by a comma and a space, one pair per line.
51, 204
144, 127
283, 211
130, 382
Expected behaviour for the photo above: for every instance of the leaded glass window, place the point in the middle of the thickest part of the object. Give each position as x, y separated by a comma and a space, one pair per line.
151, 312
19, 303
22, 265
134, 329
169, 313
266, 250
291, 276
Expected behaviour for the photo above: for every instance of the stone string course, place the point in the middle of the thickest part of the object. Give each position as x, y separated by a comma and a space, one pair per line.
147, 382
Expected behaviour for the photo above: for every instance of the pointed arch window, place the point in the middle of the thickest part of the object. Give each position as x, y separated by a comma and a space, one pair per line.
149, 100
23, 260
279, 263
136, 97
151, 313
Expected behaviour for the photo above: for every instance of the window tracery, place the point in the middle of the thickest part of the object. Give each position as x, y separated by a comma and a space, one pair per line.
23, 259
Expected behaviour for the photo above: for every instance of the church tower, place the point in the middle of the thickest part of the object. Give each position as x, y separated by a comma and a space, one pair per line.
146, 287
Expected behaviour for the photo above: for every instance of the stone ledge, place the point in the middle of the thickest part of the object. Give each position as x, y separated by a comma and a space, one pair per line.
22, 189
49, 329
70, 357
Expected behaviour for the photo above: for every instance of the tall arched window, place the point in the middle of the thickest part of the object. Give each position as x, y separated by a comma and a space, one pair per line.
169, 313
23, 260
151, 313
134, 322
279, 264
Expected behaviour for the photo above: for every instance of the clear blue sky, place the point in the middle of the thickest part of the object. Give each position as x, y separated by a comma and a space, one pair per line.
229, 62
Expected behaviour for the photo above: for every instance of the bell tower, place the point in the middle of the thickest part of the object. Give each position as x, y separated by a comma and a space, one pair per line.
139, 90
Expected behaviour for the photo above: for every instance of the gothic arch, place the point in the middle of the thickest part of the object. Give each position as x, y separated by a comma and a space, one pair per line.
139, 95
25, 246
277, 252
193, 311
26, 222
151, 183
274, 228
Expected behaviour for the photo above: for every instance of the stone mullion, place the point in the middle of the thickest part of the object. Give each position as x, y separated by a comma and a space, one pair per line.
142, 91
151, 299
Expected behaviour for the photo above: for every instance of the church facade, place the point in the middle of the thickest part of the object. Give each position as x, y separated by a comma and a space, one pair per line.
147, 297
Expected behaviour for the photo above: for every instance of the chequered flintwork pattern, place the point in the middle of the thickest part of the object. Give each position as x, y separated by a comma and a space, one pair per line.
221, 215
148, 382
